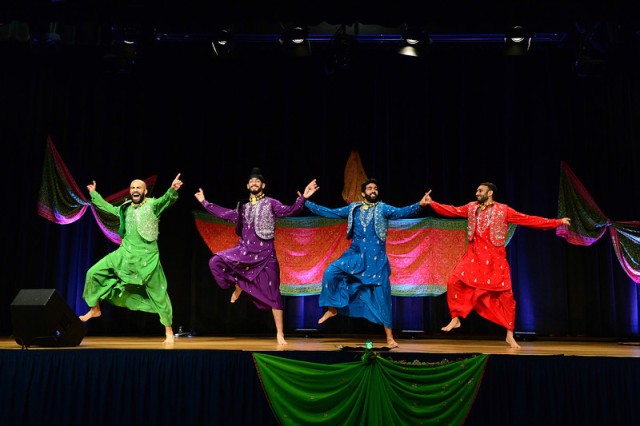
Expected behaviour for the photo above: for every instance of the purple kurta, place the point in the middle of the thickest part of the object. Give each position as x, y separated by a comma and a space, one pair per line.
253, 264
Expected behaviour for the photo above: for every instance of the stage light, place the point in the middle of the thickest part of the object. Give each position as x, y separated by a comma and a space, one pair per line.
298, 35
415, 42
517, 41
222, 42
295, 40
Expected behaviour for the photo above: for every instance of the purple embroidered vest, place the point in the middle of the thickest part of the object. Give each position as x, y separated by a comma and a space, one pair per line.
262, 217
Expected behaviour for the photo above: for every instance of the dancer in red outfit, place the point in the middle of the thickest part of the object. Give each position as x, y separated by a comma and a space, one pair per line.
481, 280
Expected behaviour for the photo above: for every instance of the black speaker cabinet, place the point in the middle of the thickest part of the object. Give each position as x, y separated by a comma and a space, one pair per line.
41, 317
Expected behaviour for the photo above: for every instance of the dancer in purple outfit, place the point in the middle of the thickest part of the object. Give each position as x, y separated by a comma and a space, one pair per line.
252, 266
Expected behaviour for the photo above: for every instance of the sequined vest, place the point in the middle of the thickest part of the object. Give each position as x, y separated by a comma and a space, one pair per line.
146, 220
380, 223
264, 221
497, 222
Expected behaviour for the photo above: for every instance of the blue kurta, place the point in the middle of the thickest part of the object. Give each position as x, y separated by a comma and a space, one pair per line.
357, 283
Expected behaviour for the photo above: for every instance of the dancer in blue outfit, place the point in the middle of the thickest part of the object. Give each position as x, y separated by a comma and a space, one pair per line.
357, 283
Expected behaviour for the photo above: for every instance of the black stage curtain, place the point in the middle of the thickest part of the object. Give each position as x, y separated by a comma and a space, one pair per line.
109, 387
447, 123
185, 387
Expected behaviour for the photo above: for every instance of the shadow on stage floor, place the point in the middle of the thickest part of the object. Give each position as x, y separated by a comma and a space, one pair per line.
213, 381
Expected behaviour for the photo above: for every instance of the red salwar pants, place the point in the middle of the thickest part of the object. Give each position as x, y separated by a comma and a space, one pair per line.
496, 306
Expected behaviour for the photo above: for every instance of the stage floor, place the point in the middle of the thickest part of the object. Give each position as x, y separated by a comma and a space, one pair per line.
263, 344
118, 380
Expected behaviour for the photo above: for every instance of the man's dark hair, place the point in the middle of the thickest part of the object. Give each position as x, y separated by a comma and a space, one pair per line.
364, 184
491, 186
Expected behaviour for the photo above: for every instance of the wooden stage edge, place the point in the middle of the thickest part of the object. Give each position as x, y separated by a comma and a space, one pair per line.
436, 346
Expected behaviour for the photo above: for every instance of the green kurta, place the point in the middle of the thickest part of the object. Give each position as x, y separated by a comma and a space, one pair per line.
132, 276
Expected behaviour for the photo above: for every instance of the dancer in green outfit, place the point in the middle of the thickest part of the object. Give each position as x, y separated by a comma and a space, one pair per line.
132, 276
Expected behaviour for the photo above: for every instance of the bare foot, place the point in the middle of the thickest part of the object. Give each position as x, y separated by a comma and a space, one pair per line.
94, 312
281, 340
455, 323
169, 336
236, 293
392, 343
331, 312
512, 341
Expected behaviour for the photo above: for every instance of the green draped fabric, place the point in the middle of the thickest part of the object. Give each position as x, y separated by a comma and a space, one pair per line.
61, 201
374, 391
588, 223
626, 244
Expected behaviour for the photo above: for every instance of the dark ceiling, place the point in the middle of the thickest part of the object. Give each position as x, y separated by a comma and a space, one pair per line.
96, 22
442, 15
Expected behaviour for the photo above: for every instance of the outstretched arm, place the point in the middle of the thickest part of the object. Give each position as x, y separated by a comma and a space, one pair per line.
535, 222
281, 210
339, 213
168, 198
216, 210
443, 209
99, 202
409, 211
395, 213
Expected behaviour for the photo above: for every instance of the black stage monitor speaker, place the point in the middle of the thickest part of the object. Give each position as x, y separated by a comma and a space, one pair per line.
41, 317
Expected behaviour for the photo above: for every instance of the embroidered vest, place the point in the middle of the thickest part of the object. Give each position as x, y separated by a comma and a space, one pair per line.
496, 220
264, 221
380, 223
146, 221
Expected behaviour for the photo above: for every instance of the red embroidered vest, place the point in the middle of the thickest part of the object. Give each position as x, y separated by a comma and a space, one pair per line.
496, 219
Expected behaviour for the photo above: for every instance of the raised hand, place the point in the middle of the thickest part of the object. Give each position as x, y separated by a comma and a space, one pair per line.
426, 199
199, 195
310, 189
177, 183
92, 186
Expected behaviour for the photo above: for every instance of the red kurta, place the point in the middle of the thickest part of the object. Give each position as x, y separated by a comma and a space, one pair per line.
481, 280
